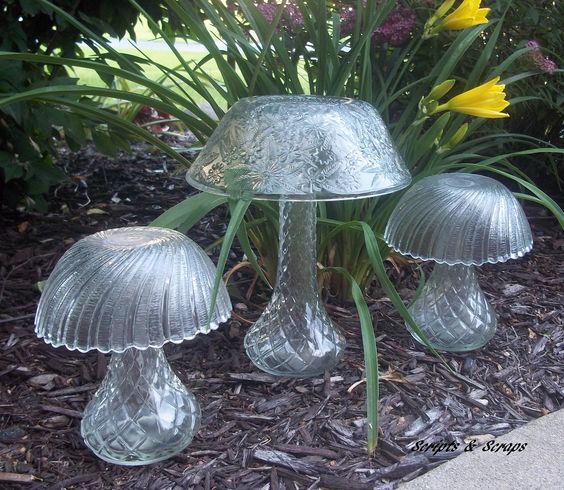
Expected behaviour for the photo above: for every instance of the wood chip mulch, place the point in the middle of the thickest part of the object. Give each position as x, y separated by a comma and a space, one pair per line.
261, 432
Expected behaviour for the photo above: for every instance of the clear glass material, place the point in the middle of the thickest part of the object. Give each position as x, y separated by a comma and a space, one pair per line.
129, 287
299, 148
294, 336
141, 413
452, 311
459, 218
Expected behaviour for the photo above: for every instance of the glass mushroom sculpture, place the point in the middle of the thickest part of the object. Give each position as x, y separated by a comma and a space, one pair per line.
458, 220
129, 291
298, 150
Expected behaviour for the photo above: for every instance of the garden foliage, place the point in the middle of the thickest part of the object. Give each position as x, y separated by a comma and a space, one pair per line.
29, 131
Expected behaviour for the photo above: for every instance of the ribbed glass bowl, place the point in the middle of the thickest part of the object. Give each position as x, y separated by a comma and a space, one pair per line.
129, 287
459, 218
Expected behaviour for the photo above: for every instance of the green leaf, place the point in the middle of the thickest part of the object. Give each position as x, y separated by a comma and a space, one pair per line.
370, 357
187, 213
243, 238
103, 142
389, 289
238, 211
11, 167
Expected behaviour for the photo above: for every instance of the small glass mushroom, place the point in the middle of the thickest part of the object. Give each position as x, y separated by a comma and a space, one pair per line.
298, 150
129, 291
458, 220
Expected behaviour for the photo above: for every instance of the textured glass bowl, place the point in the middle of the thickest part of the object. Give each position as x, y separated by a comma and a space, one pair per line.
129, 287
459, 218
299, 148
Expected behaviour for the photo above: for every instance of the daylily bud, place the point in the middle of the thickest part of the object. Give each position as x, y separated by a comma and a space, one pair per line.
455, 139
458, 136
441, 89
443, 9
440, 12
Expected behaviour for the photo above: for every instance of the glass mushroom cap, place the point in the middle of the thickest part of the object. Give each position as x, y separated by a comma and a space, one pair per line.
459, 218
129, 287
299, 148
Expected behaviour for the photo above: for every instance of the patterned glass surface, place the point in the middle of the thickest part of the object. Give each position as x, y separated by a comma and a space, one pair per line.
299, 148
459, 218
294, 336
129, 287
452, 310
141, 413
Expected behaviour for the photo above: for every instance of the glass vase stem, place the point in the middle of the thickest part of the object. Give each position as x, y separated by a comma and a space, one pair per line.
452, 311
294, 336
141, 413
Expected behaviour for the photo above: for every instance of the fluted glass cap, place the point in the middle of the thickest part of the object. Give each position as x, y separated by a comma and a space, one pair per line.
459, 218
299, 148
129, 287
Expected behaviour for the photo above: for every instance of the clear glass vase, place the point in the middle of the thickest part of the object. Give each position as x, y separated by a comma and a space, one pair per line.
452, 310
294, 336
141, 413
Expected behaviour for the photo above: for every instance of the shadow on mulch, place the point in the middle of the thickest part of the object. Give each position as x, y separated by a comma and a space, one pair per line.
259, 432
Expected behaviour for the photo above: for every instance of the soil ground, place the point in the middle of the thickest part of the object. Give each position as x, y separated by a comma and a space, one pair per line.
259, 432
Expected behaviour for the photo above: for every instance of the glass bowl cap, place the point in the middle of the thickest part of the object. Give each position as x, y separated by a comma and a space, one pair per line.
299, 148
129, 287
459, 218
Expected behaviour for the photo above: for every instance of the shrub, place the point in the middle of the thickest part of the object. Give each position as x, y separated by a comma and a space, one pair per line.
29, 132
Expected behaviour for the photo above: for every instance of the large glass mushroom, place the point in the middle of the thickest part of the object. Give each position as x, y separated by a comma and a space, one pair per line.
298, 150
457, 220
129, 291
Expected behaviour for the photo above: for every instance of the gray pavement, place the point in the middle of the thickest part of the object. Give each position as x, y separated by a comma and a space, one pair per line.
539, 465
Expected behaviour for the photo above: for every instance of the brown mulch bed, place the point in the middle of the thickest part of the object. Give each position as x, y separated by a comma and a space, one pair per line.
259, 432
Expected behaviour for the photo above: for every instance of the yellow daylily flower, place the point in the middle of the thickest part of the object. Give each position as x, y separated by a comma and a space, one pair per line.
486, 100
468, 14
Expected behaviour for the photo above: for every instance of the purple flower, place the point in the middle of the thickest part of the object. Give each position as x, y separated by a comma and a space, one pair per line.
397, 26
395, 29
348, 18
540, 61
268, 11
291, 20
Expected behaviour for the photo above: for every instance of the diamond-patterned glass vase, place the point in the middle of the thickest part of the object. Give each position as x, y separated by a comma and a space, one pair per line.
452, 311
141, 413
294, 336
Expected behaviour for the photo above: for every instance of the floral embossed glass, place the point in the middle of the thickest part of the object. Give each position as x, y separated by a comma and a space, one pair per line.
458, 220
129, 291
298, 150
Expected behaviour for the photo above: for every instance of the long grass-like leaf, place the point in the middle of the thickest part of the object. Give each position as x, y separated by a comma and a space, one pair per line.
370, 356
238, 210
188, 212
